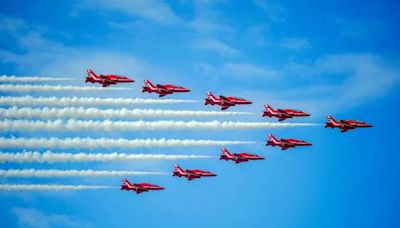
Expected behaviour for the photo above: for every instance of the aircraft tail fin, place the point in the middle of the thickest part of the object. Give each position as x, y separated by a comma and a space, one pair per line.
211, 96
178, 168
331, 119
225, 152
125, 181
269, 108
149, 84
91, 74
271, 137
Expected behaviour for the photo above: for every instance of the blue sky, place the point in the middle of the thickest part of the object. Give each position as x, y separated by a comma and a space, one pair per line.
332, 57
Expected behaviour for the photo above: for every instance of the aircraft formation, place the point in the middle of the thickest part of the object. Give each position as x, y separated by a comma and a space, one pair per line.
224, 102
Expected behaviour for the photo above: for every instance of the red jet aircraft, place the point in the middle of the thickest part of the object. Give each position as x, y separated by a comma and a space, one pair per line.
225, 102
282, 114
106, 80
238, 157
163, 90
138, 188
285, 144
345, 125
191, 174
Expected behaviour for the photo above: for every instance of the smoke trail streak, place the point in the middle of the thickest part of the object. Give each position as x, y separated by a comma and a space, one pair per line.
51, 157
83, 101
61, 113
42, 173
54, 88
49, 187
107, 125
13, 78
105, 143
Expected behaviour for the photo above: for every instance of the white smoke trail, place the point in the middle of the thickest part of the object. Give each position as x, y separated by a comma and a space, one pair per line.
49, 187
13, 78
54, 88
61, 113
51, 157
108, 143
107, 125
83, 101
42, 173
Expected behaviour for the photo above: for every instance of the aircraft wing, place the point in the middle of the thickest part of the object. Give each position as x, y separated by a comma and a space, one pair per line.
283, 113
106, 79
163, 89
241, 159
193, 175
225, 101
347, 124
287, 143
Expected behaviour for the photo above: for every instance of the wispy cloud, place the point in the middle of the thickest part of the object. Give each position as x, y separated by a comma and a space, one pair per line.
215, 46
343, 81
107, 125
107, 143
275, 13
256, 34
30, 217
83, 101
52, 157
245, 70
43, 56
295, 43
150, 10
208, 19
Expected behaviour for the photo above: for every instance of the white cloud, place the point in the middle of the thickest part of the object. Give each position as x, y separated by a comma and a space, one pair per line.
83, 101
56, 157
91, 143
92, 113
30, 217
108, 125
216, 46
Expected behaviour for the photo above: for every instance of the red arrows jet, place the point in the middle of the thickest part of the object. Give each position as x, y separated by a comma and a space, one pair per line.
225, 102
163, 90
138, 188
282, 114
191, 174
106, 80
238, 157
345, 125
285, 144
